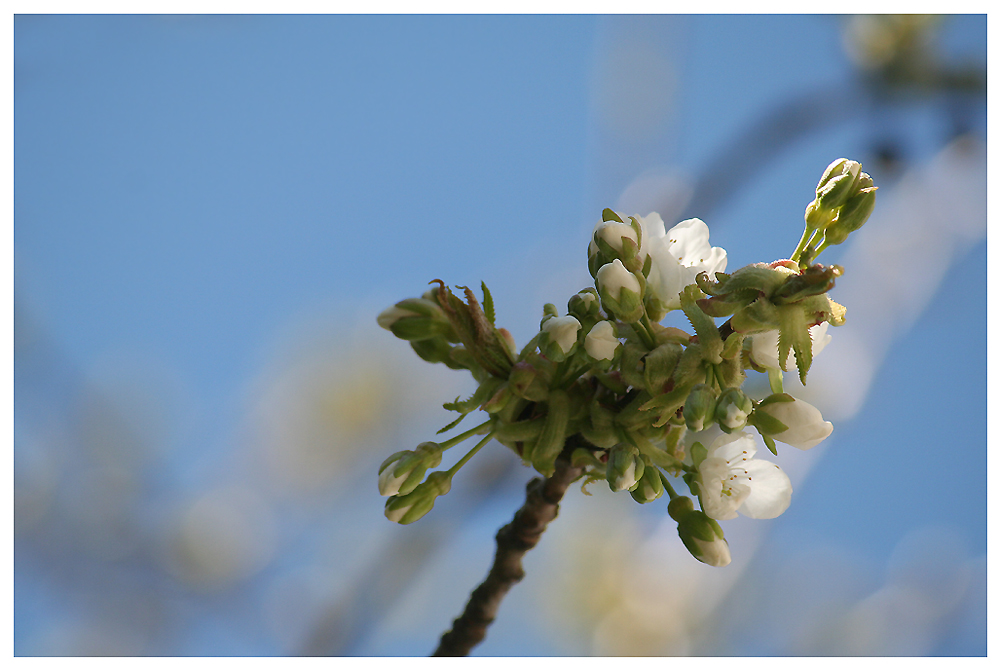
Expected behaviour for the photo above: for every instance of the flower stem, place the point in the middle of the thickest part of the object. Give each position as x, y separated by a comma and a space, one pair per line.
803, 242
540, 507
455, 440
666, 485
644, 333
774, 379
461, 462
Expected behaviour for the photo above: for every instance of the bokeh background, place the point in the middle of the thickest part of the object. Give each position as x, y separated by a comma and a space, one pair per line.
210, 211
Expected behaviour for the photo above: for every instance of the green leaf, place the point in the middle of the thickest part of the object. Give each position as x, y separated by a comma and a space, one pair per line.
704, 325
452, 424
488, 304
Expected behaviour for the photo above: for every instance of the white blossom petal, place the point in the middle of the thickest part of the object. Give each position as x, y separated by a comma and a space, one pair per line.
771, 490
601, 342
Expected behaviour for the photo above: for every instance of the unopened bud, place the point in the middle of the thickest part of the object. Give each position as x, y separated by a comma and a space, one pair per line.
699, 409
620, 290
625, 467
701, 535
732, 410
856, 211
401, 472
559, 336
416, 504
602, 341
650, 486
585, 305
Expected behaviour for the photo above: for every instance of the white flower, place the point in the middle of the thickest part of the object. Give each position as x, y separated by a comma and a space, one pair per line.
764, 348
731, 480
613, 276
601, 342
806, 427
678, 255
562, 331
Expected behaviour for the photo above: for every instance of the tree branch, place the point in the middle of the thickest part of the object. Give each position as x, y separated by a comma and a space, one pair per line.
513, 540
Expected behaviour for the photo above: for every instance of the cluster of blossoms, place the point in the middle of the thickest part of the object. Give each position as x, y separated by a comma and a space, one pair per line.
630, 401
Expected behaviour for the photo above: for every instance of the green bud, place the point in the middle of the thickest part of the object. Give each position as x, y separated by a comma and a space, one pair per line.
529, 382
650, 486
701, 535
401, 472
836, 169
632, 364
835, 191
558, 337
411, 507
699, 409
732, 410
599, 429
553, 437
625, 467
659, 366
817, 217
621, 291
585, 305
854, 214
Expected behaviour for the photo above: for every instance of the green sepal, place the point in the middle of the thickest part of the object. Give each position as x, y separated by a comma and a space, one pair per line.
698, 453
771, 445
608, 216
417, 327
766, 424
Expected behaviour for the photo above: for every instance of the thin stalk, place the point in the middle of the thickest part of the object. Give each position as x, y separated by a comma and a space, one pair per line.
476, 448
455, 440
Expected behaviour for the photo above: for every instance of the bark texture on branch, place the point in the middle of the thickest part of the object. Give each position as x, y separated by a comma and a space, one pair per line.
513, 540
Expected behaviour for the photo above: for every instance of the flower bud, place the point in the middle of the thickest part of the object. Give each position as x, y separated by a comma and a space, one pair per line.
699, 409
792, 421
612, 237
701, 535
553, 437
625, 467
585, 305
621, 292
415, 320
650, 486
602, 342
835, 191
559, 336
732, 410
852, 215
403, 471
416, 504
527, 382
817, 217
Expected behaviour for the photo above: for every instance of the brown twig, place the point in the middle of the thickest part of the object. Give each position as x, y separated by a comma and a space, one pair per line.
513, 540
